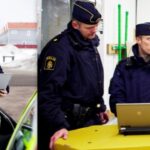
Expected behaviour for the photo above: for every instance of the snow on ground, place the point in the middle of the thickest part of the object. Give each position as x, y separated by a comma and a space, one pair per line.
24, 59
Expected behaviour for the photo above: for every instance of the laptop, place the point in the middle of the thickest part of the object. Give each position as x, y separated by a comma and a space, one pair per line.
4, 80
133, 118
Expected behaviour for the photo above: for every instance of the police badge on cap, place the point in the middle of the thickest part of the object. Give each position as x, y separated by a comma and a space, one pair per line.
85, 12
143, 29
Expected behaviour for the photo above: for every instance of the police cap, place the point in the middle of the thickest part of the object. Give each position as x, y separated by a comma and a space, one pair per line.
85, 12
143, 29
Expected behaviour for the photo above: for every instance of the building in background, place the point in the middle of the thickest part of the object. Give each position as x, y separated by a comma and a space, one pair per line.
18, 47
20, 34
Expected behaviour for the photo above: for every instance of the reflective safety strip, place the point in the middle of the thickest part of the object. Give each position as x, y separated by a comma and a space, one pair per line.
31, 145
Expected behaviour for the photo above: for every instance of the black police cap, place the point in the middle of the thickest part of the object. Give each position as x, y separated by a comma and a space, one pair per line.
85, 12
143, 29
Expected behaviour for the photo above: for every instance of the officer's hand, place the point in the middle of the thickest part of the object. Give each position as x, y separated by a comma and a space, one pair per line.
62, 133
103, 116
3, 93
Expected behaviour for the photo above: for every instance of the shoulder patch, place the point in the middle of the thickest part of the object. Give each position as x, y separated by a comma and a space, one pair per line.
50, 63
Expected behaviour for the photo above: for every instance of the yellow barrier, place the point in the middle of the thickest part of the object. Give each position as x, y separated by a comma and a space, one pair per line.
104, 137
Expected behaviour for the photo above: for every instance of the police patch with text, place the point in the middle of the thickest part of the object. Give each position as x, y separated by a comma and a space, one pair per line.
50, 63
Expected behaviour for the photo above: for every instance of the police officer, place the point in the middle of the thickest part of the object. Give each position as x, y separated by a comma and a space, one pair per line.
3, 92
131, 79
70, 83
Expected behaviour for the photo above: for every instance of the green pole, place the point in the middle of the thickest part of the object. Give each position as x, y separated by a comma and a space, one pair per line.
126, 30
119, 32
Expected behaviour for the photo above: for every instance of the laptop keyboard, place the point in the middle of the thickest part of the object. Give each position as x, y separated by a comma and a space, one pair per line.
134, 130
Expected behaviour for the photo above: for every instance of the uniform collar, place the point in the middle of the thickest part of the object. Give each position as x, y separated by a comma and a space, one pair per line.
137, 57
78, 40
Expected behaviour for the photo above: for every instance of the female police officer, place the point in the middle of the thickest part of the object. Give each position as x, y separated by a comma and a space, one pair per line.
131, 80
70, 83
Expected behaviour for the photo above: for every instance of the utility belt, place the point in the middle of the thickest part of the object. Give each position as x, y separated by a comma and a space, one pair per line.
81, 116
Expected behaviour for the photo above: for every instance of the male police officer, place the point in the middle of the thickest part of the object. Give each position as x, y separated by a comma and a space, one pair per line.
131, 80
71, 78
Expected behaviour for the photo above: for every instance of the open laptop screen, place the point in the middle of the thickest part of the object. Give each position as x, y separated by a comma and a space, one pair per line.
4, 80
133, 115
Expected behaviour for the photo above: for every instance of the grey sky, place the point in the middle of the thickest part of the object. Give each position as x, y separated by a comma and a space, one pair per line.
17, 11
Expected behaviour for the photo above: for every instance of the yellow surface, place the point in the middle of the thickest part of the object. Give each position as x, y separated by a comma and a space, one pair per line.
104, 137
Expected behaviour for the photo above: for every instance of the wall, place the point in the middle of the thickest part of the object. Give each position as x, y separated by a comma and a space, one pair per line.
143, 16
55, 16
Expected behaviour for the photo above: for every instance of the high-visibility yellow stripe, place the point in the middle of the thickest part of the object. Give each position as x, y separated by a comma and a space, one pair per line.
31, 145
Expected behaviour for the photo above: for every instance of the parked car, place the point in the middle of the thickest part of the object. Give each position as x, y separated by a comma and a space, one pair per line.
23, 134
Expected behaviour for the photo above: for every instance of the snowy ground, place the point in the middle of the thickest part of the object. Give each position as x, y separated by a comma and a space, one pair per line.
24, 59
24, 66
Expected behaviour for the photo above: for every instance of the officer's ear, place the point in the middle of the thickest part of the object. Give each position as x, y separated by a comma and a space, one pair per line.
138, 39
75, 24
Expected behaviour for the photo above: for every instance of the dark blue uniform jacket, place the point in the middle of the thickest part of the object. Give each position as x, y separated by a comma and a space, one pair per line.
131, 81
75, 75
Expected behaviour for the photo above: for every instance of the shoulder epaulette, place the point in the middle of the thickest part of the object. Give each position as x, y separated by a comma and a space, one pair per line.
129, 61
56, 38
